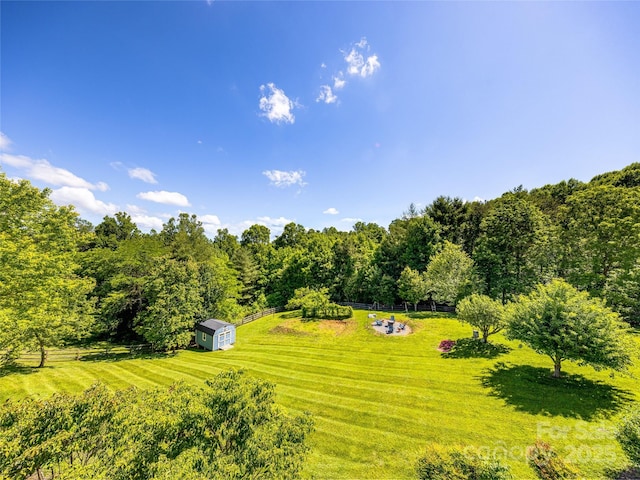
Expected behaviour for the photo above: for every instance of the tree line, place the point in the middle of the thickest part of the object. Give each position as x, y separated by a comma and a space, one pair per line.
64, 279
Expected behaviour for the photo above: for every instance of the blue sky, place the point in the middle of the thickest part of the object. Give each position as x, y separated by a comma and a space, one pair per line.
322, 113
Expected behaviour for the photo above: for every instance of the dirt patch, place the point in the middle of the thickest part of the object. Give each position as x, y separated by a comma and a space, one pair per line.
300, 327
337, 327
283, 330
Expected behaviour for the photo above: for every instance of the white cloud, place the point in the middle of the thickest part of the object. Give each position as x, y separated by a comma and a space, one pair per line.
362, 43
145, 222
351, 220
135, 209
5, 142
274, 222
83, 199
331, 211
326, 95
211, 224
275, 105
338, 81
357, 64
275, 225
371, 65
143, 174
323, 65
42, 170
168, 198
210, 219
283, 179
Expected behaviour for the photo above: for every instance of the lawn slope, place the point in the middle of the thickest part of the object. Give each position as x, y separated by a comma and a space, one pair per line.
378, 400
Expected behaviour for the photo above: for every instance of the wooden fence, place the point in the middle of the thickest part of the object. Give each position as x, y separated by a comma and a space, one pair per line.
422, 307
255, 316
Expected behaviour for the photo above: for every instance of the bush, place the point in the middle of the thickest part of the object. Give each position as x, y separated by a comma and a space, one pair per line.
446, 345
628, 435
458, 463
547, 464
329, 312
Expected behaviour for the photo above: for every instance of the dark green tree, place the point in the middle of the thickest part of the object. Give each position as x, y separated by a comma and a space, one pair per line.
508, 252
173, 302
601, 227
293, 235
451, 215
186, 238
116, 229
225, 242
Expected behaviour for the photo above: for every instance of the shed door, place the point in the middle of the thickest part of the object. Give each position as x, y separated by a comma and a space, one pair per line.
224, 338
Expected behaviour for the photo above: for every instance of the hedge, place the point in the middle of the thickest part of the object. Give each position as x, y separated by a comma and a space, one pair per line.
330, 312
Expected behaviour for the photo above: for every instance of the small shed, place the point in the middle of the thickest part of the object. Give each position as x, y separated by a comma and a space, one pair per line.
215, 334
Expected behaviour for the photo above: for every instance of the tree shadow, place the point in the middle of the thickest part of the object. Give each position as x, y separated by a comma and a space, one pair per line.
535, 391
474, 348
291, 314
16, 370
629, 473
118, 357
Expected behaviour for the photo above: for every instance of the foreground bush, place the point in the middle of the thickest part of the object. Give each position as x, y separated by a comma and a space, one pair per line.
458, 463
228, 429
547, 464
628, 435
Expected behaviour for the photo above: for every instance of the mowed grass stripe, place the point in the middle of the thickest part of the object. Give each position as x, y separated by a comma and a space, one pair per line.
376, 400
347, 367
358, 365
394, 418
363, 383
362, 388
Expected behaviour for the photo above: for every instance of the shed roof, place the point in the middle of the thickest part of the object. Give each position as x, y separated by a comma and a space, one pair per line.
210, 326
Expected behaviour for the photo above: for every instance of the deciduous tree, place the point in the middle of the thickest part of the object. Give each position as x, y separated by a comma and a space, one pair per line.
450, 274
411, 286
43, 300
482, 312
563, 323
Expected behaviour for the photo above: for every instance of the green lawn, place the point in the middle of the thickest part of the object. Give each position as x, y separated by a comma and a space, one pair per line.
378, 400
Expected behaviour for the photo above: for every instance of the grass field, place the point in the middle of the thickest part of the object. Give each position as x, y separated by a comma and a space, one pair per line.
378, 400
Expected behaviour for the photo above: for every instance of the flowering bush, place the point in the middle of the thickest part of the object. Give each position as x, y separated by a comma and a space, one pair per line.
446, 345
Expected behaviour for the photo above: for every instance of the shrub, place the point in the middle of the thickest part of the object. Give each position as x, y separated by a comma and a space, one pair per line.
628, 435
446, 345
329, 312
547, 464
458, 463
